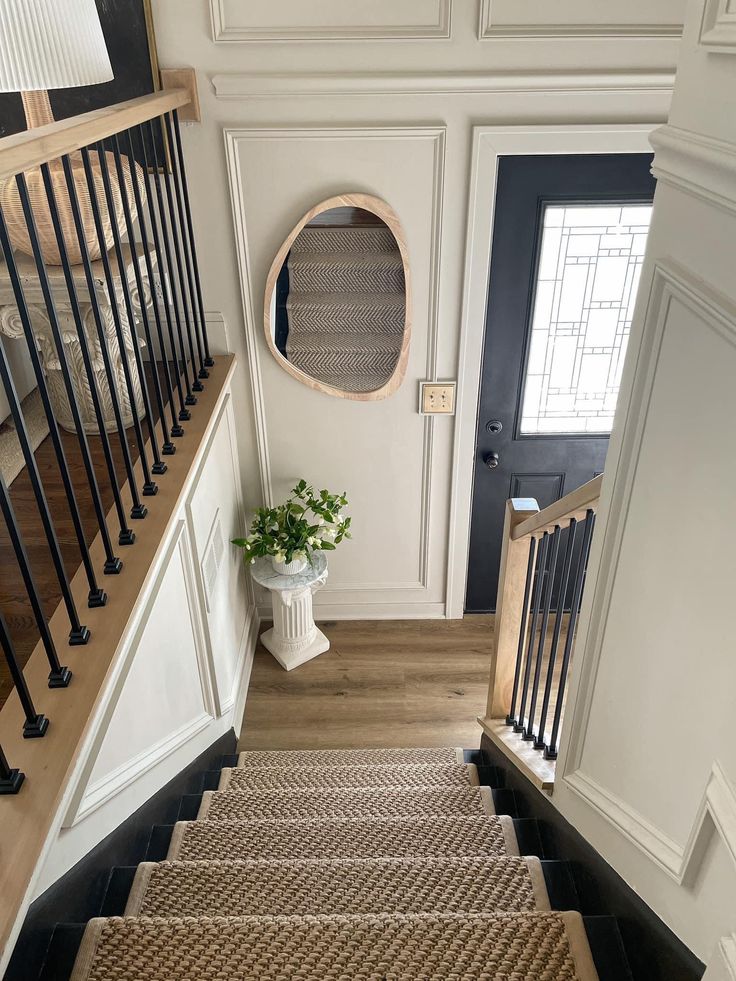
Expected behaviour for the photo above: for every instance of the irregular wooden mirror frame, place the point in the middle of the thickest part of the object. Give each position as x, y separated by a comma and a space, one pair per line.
388, 216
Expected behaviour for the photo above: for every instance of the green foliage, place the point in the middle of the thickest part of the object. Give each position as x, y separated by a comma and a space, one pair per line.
308, 521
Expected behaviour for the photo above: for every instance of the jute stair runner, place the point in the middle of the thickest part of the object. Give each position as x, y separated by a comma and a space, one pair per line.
327, 865
346, 308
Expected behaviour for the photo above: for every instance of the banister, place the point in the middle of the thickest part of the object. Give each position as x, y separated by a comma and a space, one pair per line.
572, 505
31, 148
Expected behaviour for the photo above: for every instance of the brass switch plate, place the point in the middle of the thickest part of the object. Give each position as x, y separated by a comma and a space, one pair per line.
437, 398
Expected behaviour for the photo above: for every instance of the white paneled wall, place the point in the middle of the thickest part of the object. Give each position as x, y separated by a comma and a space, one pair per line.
181, 681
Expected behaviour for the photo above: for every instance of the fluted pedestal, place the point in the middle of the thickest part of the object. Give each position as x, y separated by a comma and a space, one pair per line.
294, 637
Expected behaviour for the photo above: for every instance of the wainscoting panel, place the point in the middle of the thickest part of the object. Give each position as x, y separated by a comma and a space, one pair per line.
718, 29
384, 454
317, 20
574, 18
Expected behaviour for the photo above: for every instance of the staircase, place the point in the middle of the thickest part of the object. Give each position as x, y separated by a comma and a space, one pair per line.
343, 864
346, 307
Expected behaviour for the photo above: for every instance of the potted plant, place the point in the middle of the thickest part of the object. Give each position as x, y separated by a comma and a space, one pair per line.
308, 521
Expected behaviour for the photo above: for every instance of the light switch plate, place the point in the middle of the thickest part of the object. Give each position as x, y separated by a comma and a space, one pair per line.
437, 398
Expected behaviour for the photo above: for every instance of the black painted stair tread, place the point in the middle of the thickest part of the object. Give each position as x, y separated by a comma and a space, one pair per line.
430, 756
351, 802
522, 946
347, 886
322, 777
421, 837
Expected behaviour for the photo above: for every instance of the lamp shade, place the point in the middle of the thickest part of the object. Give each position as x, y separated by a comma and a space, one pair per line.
51, 44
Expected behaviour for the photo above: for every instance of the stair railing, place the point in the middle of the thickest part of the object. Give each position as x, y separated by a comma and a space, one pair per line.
544, 559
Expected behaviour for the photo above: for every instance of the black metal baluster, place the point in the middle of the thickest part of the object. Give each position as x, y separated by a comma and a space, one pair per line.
562, 592
59, 676
35, 724
79, 634
97, 596
168, 298
536, 606
10, 777
138, 510
546, 607
208, 359
158, 466
189, 398
181, 290
177, 164
149, 485
113, 564
550, 752
168, 448
511, 717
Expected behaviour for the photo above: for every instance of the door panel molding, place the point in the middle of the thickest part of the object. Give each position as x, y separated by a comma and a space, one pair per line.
624, 21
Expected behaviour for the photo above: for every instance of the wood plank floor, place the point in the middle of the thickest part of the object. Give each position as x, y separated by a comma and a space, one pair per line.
382, 683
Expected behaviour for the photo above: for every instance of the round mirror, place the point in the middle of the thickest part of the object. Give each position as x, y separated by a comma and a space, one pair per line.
337, 310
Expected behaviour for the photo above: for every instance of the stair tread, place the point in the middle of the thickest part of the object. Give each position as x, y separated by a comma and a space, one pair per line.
498, 946
343, 239
421, 837
395, 301
336, 341
279, 805
378, 259
367, 885
394, 756
318, 777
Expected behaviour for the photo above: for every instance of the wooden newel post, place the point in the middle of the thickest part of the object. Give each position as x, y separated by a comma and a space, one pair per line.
510, 613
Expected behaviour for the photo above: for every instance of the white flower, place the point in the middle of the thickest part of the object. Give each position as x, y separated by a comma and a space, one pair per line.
299, 556
280, 557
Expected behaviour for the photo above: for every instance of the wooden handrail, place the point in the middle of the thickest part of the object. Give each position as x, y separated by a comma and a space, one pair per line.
572, 505
29, 149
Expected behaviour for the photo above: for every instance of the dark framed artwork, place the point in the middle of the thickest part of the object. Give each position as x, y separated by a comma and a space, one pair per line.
128, 29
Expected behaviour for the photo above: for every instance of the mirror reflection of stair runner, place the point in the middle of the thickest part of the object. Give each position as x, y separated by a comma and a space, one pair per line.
346, 306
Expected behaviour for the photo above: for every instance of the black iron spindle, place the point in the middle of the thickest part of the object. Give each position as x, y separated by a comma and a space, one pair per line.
189, 399
97, 596
181, 287
546, 607
511, 717
59, 675
138, 510
159, 467
35, 724
10, 777
168, 448
561, 593
536, 608
177, 162
550, 752
113, 564
208, 359
149, 486
79, 634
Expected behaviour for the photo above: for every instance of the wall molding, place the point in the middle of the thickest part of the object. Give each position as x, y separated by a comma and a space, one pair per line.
299, 85
490, 143
488, 27
718, 26
696, 164
436, 134
224, 30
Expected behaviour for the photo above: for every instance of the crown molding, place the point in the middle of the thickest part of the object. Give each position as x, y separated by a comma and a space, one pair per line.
696, 164
270, 85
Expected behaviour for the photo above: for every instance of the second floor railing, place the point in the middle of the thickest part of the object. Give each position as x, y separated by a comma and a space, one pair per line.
100, 282
542, 577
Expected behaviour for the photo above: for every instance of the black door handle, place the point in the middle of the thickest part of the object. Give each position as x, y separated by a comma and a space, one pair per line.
491, 460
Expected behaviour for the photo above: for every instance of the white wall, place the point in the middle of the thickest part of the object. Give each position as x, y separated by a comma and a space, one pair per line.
395, 114
180, 683
650, 761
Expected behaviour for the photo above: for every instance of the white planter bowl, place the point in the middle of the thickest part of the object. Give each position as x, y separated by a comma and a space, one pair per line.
292, 568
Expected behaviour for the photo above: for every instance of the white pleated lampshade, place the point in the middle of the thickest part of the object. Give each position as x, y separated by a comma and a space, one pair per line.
51, 44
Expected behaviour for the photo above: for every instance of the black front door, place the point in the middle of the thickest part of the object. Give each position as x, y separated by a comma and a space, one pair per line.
568, 244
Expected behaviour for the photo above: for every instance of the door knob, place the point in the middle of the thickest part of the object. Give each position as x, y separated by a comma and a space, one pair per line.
491, 460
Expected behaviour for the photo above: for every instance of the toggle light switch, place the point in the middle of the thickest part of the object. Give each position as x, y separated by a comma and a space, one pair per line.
437, 398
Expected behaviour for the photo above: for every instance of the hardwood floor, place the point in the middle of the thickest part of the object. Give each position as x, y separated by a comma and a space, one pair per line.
382, 683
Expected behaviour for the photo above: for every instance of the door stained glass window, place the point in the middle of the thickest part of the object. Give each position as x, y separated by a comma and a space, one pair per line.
587, 279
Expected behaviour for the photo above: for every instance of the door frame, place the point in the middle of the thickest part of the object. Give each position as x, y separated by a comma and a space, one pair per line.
490, 143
